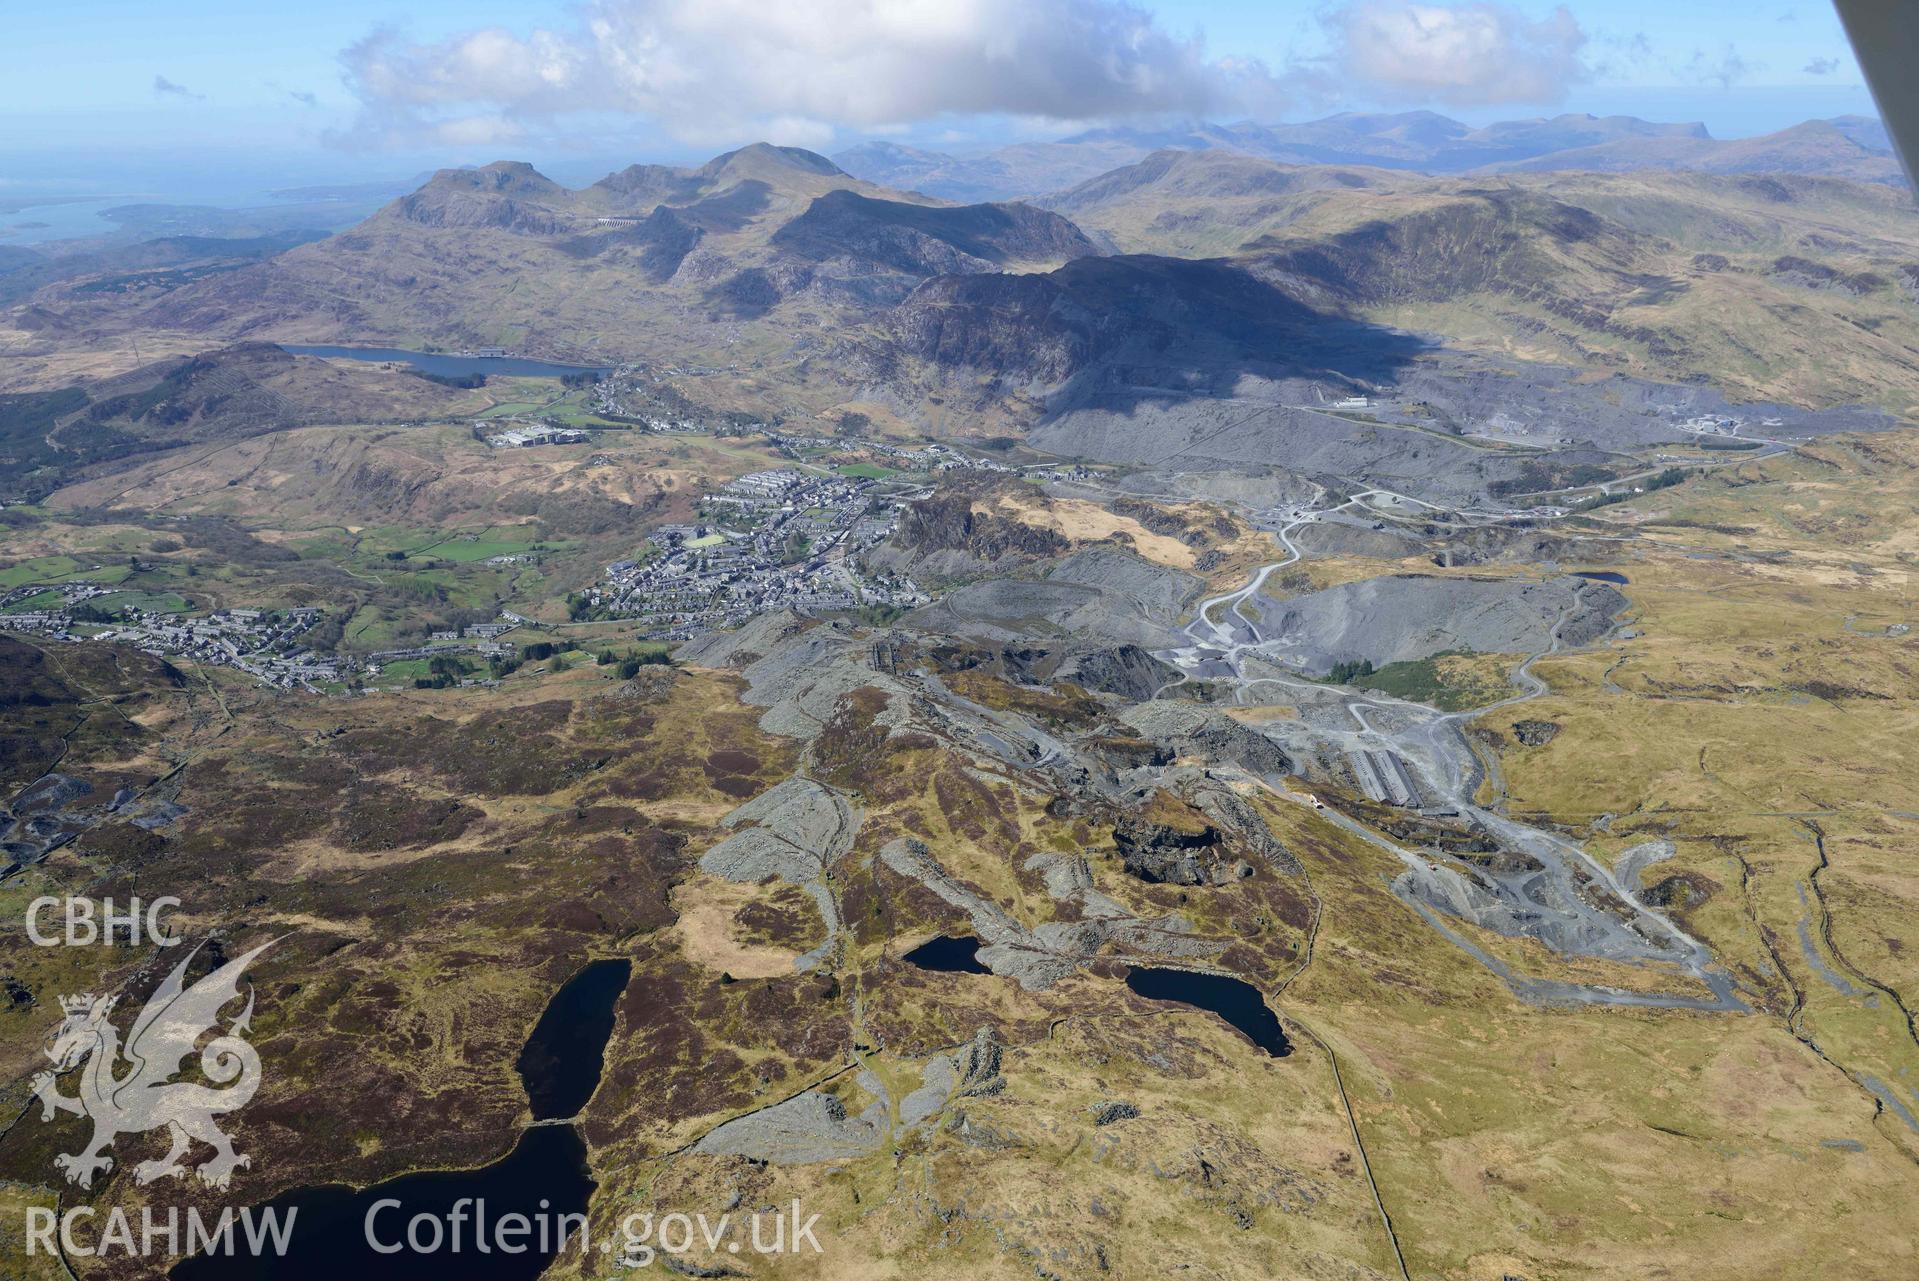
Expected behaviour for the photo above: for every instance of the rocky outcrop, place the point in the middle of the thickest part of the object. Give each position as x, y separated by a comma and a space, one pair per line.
1535, 733
954, 533
1046, 328
1195, 732
1403, 617
1024, 327
972, 1071
1125, 670
738, 650
799, 1131
1678, 891
948, 521
794, 832
1240, 822
1161, 855
660, 242
1485, 240
1807, 274
816, 1126
978, 1066
507, 196
1039, 957
1453, 837
929, 240
1215, 854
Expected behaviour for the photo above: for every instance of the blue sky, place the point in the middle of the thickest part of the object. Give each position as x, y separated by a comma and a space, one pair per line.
349, 87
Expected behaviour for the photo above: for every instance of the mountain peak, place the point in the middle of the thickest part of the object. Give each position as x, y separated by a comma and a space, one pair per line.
641, 185
759, 159
1864, 131
513, 176
879, 150
507, 194
1420, 126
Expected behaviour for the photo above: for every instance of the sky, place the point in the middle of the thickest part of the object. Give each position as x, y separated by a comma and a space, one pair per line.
125, 92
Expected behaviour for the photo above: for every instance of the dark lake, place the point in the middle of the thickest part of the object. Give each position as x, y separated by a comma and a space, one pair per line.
545, 1174
450, 366
949, 954
1238, 1002
543, 1177
1601, 576
560, 1065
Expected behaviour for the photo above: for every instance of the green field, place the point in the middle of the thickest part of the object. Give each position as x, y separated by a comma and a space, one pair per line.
369, 548
155, 602
59, 569
571, 415
542, 398
868, 471
34, 603
404, 671
371, 627
465, 551
160, 602
1452, 681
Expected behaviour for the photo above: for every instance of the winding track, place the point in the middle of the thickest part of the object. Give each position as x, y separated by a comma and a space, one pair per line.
1574, 904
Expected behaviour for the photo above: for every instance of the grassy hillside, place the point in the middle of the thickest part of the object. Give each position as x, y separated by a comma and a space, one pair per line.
1790, 288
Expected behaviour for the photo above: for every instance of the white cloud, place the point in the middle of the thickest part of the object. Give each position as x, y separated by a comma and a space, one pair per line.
168, 89
1461, 55
1725, 69
714, 69
1615, 55
782, 131
476, 131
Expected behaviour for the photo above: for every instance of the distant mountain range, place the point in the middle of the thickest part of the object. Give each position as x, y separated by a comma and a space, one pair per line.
1182, 269
1854, 147
647, 256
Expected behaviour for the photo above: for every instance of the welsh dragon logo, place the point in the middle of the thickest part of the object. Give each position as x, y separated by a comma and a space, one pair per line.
145, 1096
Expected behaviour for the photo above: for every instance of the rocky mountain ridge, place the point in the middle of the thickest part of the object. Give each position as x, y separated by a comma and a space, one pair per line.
1852, 147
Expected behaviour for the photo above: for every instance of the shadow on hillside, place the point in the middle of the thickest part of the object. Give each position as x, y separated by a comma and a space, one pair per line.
1137, 328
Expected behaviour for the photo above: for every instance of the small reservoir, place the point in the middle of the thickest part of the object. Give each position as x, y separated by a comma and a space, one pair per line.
560, 1066
949, 954
1236, 1001
544, 1177
449, 366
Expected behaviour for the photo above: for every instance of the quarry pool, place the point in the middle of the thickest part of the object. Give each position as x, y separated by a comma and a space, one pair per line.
1602, 576
544, 1177
1234, 1000
449, 366
949, 954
